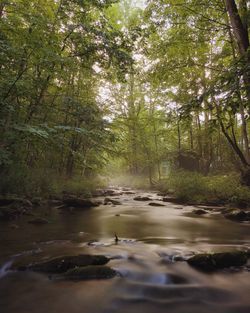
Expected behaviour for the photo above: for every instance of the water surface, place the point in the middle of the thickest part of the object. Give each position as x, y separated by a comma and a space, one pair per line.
151, 239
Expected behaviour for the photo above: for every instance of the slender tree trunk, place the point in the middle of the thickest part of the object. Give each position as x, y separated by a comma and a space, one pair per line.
191, 136
1, 9
179, 135
231, 141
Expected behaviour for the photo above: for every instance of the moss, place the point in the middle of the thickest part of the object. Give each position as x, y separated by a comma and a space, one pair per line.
65, 263
90, 272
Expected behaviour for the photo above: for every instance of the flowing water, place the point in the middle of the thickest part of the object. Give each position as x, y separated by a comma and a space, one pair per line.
151, 279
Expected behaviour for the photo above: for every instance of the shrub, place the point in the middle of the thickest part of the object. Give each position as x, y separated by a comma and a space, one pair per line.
187, 186
193, 187
40, 182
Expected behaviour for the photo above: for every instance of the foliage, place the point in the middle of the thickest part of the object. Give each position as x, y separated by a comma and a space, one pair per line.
196, 188
87, 83
50, 117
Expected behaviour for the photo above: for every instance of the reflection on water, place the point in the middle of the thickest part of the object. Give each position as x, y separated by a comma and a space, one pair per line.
151, 240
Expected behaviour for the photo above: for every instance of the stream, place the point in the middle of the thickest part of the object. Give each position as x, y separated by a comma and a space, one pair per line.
152, 243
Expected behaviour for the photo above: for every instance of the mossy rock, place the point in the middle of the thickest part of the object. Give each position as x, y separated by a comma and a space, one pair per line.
66, 263
211, 262
237, 215
90, 272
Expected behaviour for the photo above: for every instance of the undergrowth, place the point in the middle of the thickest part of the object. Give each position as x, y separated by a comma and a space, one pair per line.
194, 187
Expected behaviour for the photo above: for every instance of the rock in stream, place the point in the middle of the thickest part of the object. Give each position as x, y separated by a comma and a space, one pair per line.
89, 272
66, 263
210, 262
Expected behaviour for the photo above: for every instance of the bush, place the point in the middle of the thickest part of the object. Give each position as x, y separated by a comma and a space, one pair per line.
39, 182
194, 187
22, 181
186, 186
78, 185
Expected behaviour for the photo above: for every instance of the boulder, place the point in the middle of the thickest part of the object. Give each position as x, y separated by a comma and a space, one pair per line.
66, 263
8, 213
11, 208
140, 198
55, 202
37, 201
111, 193
15, 202
237, 215
172, 199
155, 204
211, 262
111, 201
90, 272
80, 203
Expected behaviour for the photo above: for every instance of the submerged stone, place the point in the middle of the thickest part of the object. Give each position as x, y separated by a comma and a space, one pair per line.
199, 212
140, 198
211, 262
155, 204
80, 203
65, 263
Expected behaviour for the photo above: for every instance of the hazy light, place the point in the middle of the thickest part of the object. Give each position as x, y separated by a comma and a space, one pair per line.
139, 3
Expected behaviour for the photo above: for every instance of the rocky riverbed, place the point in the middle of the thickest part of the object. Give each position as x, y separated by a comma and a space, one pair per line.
130, 250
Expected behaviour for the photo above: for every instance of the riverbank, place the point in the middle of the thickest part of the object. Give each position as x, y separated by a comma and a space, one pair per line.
194, 188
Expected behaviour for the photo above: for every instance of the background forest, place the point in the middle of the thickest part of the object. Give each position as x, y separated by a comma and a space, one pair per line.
149, 93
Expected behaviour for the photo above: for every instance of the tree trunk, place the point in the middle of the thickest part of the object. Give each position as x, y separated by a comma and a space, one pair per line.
179, 135
1, 9
240, 30
245, 139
